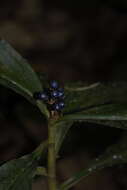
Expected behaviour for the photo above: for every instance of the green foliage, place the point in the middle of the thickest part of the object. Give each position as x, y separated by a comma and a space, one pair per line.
16, 73
80, 96
17, 174
97, 103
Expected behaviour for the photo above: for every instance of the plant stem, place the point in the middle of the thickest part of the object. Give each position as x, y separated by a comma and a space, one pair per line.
51, 156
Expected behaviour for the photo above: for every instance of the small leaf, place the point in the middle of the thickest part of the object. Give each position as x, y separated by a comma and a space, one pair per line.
116, 154
16, 73
101, 102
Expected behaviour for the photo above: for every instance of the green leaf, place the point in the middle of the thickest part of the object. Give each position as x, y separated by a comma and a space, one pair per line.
77, 96
17, 174
98, 102
16, 73
116, 154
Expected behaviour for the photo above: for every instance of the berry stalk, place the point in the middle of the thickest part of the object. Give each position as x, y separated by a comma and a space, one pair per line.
52, 184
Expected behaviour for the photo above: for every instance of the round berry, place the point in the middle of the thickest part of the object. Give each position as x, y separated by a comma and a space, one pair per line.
54, 84
61, 104
54, 94
40, 96
60, 94
44, 96
56, 107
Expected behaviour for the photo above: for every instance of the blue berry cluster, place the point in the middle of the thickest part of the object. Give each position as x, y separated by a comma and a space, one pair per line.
52, 96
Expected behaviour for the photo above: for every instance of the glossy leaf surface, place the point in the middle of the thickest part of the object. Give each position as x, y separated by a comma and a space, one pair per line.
17, 174
17, 74
99, 102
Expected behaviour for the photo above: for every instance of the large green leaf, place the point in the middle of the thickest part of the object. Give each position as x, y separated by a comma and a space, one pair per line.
105, 103
16, 73
116, 154
17, 174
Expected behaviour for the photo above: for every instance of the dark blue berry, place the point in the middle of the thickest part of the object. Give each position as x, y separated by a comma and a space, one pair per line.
56, 107
44, 96
54, 84
61, 104
60, 94
40, 96
54, 94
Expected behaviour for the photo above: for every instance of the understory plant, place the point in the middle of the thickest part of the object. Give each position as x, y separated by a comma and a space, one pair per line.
104, 104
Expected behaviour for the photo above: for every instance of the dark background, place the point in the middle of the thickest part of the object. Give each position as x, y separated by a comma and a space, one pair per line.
69, 41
